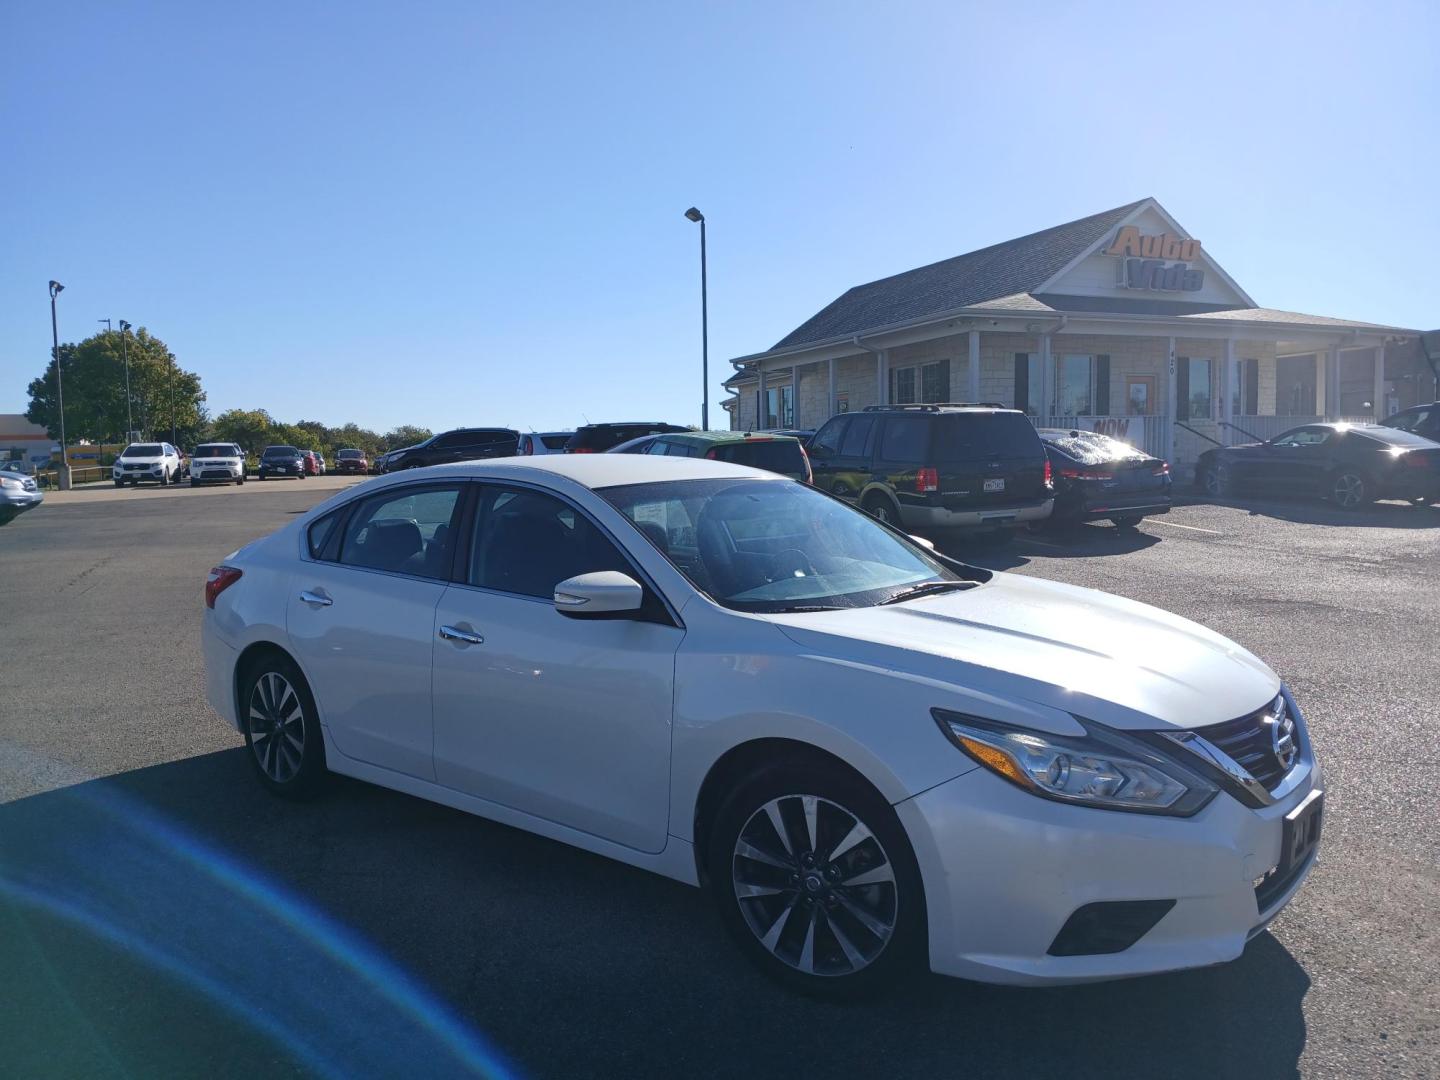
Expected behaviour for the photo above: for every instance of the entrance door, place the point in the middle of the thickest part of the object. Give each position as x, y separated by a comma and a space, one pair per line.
1295, 385
1139, 395
566, 719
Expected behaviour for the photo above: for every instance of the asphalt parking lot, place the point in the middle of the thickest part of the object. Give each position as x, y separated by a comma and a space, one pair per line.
160, 915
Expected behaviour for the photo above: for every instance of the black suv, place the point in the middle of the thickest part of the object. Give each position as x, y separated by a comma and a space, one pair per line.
282, 461
924, 468
462, 444
597, 438
1418, 420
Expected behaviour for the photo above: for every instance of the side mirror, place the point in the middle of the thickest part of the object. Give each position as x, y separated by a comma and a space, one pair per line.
603, 593
928, 545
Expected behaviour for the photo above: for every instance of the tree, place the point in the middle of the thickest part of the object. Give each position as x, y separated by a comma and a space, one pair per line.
161, 392
250, 428
405, 435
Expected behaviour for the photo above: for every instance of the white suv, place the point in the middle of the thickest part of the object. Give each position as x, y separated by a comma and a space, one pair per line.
221, 462
147, 461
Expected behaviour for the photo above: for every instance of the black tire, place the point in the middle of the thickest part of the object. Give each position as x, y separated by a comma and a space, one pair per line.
241, 479
119, 483
1348, 489
1127, 522
194, 482
164, 479
295, 773
882, 510
898, 905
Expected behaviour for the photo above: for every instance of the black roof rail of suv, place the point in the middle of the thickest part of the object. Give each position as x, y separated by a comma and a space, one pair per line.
936, 406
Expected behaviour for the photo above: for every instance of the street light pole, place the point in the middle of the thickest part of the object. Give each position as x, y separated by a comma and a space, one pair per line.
55, 290
125, 353
172, 400
695, 215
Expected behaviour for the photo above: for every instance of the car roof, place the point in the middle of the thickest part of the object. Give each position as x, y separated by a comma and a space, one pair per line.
724, 436
592, 470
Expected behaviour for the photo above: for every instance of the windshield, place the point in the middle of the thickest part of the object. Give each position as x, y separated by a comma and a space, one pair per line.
218, 450
143, 450
281, 451
348, 455
774, 545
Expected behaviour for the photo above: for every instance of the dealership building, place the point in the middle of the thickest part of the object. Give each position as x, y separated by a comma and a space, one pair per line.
1119, 322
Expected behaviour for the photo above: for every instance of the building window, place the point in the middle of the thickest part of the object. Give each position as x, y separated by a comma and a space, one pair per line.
920, 383
778, 408
1245, 389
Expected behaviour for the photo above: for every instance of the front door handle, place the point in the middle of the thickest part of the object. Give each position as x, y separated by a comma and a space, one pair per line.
466, 637
318, 599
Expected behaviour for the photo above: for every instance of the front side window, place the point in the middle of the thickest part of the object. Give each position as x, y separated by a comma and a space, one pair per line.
774, 545
827, 439
410, 531
527, 542
857, 437
1303, 437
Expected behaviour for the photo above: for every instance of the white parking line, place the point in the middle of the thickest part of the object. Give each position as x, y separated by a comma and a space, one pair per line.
1177, 525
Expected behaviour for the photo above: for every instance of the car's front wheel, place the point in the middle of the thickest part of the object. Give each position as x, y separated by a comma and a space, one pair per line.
816, 880
1348, 490
282, 727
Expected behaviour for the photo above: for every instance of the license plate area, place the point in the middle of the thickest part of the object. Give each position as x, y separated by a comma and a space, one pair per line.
1300, 835
997, 484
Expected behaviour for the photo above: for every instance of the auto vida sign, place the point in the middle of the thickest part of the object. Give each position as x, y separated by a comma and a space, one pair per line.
1162, 262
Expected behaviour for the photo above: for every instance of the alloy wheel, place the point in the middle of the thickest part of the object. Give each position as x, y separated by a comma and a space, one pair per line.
1348, 491
882, 513
277, 727
815, 885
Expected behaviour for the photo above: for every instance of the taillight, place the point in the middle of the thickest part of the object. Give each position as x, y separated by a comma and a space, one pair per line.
1416, 461
927, 479
809, 472
219, 579
1078, 474
580, 450
710, 455
1163, 469
1049, 474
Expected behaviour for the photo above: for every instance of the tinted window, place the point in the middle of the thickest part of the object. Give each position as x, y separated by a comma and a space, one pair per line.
319, 533
144, 450
857, 436
220, 450
1304, 437
349, 454
527, 542
1395, 437
905, 440
555, 442
827, 439
407, 531
281, 452
452, 440
964, 437
776, 455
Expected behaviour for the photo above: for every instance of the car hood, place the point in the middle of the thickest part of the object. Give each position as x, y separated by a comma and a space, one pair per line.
140, 460
1085, 652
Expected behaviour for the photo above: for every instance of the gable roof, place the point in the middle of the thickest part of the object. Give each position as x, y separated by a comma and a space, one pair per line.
1021, 265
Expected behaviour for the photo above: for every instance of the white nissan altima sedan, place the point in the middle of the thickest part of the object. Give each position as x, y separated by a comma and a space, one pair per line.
871, 755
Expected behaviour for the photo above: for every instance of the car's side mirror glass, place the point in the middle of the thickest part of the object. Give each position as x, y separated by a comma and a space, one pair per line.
604, 593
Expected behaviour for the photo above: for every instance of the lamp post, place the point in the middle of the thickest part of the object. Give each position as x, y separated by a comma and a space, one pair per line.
125, 353
55, 290
696, 216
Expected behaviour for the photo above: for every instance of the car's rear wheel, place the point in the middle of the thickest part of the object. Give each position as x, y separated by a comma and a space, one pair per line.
1348, 490
1127, 521
816, 880
881, 509
282, 727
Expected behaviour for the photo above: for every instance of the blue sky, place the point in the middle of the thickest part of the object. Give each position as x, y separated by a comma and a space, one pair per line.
446, 213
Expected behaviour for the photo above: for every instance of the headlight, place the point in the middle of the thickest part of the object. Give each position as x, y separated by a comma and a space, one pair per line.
1102, 768
7, 483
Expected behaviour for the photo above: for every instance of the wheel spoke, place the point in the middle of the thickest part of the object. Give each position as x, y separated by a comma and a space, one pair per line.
807, 951
808, 802
746, 891
747, 850
863, 917
858, 834
772, 811
874, 876
772, 936
853, 954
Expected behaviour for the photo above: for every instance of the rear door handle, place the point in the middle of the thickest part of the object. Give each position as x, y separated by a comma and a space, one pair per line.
318, 599
467, 637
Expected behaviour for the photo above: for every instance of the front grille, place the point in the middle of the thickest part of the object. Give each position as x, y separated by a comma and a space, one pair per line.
1249, 741
135, 468
28, 484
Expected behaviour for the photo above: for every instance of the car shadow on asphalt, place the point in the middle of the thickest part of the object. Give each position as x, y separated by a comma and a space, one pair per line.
155, 919
1378, 515
1084, 540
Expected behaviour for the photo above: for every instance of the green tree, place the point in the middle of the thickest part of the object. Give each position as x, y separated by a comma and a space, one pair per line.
162, 393
405, 435
250, 428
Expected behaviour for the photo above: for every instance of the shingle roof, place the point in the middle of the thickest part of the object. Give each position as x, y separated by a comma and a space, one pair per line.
1001, 270
1274, 315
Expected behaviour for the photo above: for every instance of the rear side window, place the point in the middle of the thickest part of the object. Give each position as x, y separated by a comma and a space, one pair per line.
857, 438
554, 442
409, 531
905, 440
964, 437
322, 532
774, 455
827, 439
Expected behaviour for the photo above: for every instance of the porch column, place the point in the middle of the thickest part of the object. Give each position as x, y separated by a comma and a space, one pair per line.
1227, 386
1379, 398
882, 377
1170, 412
834, 401
761, 414
1047, 376
1332, 382
973, 371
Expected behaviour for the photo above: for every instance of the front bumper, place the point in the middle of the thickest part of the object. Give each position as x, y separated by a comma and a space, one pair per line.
920, 518
222, 473
281, 470
134, 476
1004, 870
20, 500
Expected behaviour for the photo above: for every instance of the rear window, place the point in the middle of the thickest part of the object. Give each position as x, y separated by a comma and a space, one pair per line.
281, 451
1395, 437
980, 435
774, 455
555, 442
1094, 449
144, 450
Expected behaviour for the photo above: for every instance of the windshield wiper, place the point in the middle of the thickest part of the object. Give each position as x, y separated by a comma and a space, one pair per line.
925, 589
800, 609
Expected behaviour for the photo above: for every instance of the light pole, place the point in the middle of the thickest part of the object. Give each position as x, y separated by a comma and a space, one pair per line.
125, 353
695, 215
55, 290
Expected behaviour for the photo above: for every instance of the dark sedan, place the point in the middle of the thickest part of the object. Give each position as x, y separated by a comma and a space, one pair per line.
1349, 464
282, 461
1097, 477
